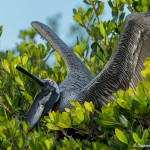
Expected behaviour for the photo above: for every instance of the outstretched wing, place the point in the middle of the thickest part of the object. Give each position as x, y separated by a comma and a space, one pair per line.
124, 67
76, 68
72, 62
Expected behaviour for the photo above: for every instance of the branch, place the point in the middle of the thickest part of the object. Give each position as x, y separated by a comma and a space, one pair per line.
130, 8
5, 107
93, 5
89, 32
90, 62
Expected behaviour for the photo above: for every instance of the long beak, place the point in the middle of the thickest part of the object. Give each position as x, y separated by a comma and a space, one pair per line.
36, 111
38, 80
42, 103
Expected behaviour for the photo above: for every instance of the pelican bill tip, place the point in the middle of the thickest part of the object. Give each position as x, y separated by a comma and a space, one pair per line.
36, 24
17, 67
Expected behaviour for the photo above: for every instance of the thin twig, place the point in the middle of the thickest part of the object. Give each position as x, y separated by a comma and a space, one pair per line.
66, 134
141, 125
5, 107
86, 132
131, 10
93, 5
90, 62
89, 32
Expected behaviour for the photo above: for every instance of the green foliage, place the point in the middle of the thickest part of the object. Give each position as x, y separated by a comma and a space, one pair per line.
1, 28
122, 124
104, 34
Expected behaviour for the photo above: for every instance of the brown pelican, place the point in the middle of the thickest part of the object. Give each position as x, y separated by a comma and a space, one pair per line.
121, 72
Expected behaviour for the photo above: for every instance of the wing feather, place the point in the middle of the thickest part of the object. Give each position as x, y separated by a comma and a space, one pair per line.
73, 63
77, 70
123, 70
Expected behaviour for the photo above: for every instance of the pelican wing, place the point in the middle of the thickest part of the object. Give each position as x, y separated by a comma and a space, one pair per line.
123, 70
72, 62
77, 71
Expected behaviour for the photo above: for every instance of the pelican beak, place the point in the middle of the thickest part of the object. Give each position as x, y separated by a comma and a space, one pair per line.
41, 106
43, 102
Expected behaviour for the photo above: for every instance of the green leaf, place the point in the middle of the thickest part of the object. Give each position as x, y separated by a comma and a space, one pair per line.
143, 3
77, 105
109, 123
27, 96
102, 30
64, 120
107, 40
81, 12
136, 138
115, 95
78, 18
128, 99
24, 60
23, 34
110, 4
51, 117
9, 148
8, 99
52, 126
1, 29
100, 7
123, 1
78, 49
121, 17
76, 119
19, 81
67, 109
58, 58
94, 49
9, 56
88, 15
88, 106
91, 1
121, 136
4, 80
25, 127
123, 103
5, 65
20, 141
74, 11
86, 2
116, 2
129, 2
62, 124
121, 93
80, 114
145, 136
47, 143
108, 110
123, 120
31, 144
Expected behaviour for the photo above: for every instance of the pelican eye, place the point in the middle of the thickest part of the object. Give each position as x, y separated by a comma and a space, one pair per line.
51, 82
42, 105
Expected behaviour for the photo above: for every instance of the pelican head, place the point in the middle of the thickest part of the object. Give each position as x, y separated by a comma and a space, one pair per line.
44, 100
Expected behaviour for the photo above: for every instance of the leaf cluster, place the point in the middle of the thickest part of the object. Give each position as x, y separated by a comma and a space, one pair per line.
122, 124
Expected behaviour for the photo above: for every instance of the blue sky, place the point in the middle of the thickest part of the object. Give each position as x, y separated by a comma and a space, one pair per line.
16, 15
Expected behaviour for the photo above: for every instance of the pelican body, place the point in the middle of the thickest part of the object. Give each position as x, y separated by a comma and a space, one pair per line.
121, 72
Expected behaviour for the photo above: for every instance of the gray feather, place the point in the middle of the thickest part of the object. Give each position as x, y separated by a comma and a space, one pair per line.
124, 67
121, 72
